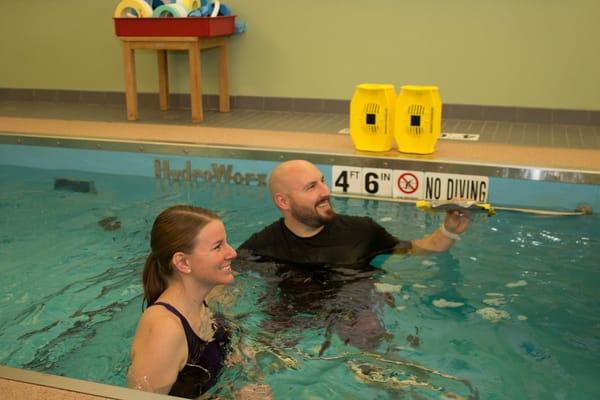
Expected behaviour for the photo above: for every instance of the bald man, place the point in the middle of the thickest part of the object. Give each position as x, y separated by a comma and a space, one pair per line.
311, 233
313, 247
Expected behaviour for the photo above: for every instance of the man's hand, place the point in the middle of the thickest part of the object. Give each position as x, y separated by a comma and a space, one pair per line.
457, 221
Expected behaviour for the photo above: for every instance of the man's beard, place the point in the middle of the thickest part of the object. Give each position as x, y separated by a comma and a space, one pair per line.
312, 216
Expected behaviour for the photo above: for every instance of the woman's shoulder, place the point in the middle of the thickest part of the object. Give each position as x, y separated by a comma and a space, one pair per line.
157, 320
160, 339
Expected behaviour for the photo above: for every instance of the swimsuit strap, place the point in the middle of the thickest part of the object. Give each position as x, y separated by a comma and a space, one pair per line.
189, 332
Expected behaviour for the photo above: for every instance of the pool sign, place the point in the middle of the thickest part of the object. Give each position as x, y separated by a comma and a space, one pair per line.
449, 186
364, 181
377, 182
417, 185
408, 184
346, 179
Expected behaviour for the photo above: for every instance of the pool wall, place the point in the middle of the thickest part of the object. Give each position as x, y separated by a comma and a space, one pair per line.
514, 186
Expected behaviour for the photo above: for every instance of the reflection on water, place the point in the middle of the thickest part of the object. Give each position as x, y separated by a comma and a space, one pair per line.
336, 305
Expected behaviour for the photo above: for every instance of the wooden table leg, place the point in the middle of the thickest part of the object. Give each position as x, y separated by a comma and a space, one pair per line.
163, 79
130, 82
224, 76
195, 86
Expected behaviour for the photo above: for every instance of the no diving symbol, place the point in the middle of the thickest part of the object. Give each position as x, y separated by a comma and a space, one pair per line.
408, 183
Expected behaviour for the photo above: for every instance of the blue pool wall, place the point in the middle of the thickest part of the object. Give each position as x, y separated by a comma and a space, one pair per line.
502, 191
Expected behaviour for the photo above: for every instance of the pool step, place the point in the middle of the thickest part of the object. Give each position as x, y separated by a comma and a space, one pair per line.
74, 185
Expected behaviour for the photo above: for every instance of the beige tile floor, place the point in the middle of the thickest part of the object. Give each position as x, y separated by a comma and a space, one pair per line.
15, 390
570, 147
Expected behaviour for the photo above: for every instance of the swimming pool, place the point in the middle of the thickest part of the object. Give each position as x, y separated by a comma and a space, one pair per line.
72, 289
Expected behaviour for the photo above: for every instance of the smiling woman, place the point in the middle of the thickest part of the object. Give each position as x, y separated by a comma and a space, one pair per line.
180, 347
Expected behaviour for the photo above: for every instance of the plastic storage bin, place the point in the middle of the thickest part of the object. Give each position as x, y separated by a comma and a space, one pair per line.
190, 26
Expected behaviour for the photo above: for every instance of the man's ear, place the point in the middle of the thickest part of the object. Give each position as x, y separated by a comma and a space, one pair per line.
181, 262
281, 201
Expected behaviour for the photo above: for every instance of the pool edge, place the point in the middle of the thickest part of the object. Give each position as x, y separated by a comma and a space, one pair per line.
72, 385
369, 160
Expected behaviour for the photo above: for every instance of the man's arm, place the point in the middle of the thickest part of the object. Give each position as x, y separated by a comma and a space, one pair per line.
443, 238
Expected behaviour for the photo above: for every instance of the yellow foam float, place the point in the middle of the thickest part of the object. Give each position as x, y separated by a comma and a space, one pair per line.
418, 119
372, 117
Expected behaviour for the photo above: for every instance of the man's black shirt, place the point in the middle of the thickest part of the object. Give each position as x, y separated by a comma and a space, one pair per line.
346, 240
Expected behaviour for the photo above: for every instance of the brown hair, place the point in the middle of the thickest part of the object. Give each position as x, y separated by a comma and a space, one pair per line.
174, 230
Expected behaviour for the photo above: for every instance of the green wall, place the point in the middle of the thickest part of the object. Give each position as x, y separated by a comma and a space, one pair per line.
532, 53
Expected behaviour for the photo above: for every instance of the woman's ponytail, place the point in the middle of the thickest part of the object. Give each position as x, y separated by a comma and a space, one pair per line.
153, 279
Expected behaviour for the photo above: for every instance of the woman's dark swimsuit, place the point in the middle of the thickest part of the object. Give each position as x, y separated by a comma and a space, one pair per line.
205, 359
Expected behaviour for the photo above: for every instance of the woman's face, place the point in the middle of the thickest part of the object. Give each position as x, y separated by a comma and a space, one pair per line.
212, 256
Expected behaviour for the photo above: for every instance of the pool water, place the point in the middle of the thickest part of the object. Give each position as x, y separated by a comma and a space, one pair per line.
72, 296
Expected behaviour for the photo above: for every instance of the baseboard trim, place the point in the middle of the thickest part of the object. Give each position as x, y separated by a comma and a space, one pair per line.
211, 102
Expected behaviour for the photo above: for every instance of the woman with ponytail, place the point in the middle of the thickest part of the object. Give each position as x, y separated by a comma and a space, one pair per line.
179, 347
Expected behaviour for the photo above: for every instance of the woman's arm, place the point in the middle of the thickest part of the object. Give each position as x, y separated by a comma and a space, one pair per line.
158, 352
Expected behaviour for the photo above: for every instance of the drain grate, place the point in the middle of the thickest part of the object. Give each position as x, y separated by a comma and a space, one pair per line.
473, 137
